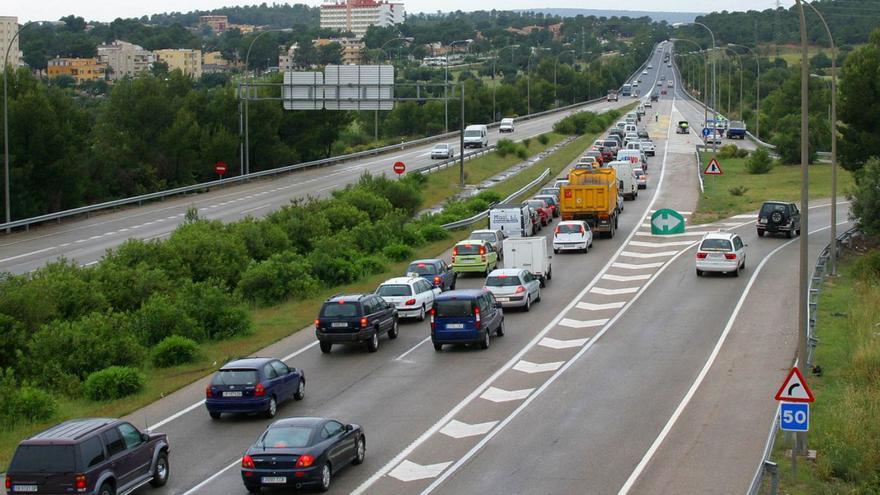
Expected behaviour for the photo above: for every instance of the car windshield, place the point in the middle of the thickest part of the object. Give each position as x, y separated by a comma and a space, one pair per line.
772, 207
569, 229
485, 236
392, 290
441, 147
639, 172
44, 458
291, 437
468, 249
472, 133
715, 245
452, 308
235, 377
339, 310
422, 269
502, 281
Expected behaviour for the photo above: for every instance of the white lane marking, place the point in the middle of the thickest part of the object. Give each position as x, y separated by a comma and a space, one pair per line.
613, 292
532, 368
255, 208
703, 372
680, 212
636, 266
457, 429
659, 244
570, 323
496, 394
60, 245
686, 234
626, 278
561, 344
749, 215
410, 471
211, 478
90, 263
405, 354
659, 254
600, 307
27, 254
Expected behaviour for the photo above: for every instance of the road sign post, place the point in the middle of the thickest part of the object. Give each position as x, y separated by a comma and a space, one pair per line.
220, 168
399, 168
713, 169
667, 222
795, 408
794, 416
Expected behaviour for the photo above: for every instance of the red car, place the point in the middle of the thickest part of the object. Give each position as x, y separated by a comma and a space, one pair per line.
545, 212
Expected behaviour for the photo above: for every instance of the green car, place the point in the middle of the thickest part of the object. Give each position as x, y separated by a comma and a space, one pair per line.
474, 255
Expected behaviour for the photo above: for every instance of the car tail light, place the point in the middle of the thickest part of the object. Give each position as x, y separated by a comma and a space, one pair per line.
79, 482
8, 482
317, 323
305, 460
520, 289
411, 302
432, 313
209, 392
730, 256
477, 317
247, 462
557, 230
482, 250
364, 322
701, 256
455, 251
259, 390
437, 281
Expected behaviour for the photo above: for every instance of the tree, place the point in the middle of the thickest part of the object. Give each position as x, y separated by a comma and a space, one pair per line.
859, 105
866, 197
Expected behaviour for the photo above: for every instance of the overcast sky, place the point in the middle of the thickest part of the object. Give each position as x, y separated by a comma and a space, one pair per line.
103, 10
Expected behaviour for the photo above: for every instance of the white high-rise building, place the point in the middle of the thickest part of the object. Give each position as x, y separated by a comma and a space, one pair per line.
125, 59
8, 28
357, 15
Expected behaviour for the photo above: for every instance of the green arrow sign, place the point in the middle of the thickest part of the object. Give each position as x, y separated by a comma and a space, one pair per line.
666, 222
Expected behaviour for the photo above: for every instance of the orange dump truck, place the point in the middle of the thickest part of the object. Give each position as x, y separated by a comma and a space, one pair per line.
591, 195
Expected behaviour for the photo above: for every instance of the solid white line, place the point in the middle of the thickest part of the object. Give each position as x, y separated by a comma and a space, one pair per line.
212, 478
27, 254
255, 208
405, 354
703, 372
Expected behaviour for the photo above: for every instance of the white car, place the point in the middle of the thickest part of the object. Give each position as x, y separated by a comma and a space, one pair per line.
648, 104
644, 73
412, 296
514, 287
572, 235
442, 150
648, 147
722, 252
641, 178
506, 125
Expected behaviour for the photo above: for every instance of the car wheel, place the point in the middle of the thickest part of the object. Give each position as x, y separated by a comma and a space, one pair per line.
326, 347
543, 283
485, 343
300, 390
214, 414
798, 231
500, 331
392, 334
326, 478
699, 272
760, 232
555, 251
106, 490
360, 448
422, 313
273, 407
538, 299
550, 273
373, 344
438, 346
528, 306
252, 488
735, 272
160, 471
789, 234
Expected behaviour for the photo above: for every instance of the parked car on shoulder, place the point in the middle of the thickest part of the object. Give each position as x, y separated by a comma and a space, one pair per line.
442, 150
355, 319
494, 236
466, 317
514, 287
506, 125
253, 385
572, 235
779, 217
412, 296
474, 255
721, 252
435, 271
99, 456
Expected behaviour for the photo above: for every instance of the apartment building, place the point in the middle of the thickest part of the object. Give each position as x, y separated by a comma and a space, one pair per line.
213, 62
8, 28
187, 61
125, 59
217, 23
80, 69
357, 15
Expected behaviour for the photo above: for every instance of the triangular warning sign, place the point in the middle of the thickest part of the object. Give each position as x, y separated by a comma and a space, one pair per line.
794, 388
714, 168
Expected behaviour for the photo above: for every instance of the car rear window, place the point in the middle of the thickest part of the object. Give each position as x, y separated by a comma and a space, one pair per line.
611, 143
340, 310
452, 308
536, 204
235, 377
44, 459
485, 236
392, 290
468, 249
715, 245
771, 207
569, 229
281, 437
422, 269
502, 281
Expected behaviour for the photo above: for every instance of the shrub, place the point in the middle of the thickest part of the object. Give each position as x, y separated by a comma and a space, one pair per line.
505, 147
113, 383
343, 216
372, 264
276, 279
866, 198
23, 404
527, 142
433, 232
207, 250
742, 153
867, 266
127, 287
333, 259
161, 316
174, 350
728, 151
302, 223
543, 139
411, 236
760, 162
489, 196
261, 238
522, 153
374, 206
397, 252
738, 190
215, 310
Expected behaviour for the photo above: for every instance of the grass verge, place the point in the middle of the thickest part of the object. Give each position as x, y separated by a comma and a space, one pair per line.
844, 429
782, 183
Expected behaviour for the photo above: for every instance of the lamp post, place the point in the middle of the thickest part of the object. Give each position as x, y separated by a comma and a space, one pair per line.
247, 149
730, 83
705, 76
529, 79
446, 81
555, 65
494, 82
714, 80
406, 39
757, 88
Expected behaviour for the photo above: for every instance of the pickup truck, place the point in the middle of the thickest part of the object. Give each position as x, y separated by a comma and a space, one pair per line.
736, 130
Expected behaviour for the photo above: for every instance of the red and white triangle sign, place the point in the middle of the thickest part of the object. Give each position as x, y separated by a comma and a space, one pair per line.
714, 168
794, 388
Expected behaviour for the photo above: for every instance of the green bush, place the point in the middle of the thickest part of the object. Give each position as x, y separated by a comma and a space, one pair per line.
528, 142
397, 252
543, 139
867, 266
433, 232
114, 382
163, 315
174, 350
489, 196
261, 238
374, 206
505, 147
760, 162
208, 250
23, 404
411, 235
728, 151
742, 153
215, 310
127, 287
372, 264
522, 153
866, 197
274, 280
738, 190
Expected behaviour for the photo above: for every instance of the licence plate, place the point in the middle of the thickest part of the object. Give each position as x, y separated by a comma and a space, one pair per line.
502, 299
455, 325
339, 325
274, 479
24, 488
231, 394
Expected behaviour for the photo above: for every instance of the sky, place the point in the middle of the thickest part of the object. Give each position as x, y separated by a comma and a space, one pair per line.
107, 10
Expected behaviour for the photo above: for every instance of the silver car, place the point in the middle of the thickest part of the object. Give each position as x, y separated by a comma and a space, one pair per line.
514, 287
492, 236
443, 150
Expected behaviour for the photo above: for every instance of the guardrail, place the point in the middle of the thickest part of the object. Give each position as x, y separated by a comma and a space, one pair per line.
452, 161
483, 214
820, 272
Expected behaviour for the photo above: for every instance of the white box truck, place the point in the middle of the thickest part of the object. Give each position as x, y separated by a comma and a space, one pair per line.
529, 253
512, 219
626, 181
476, 136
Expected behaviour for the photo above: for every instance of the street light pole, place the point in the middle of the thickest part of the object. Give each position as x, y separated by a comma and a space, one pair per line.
555, 65
757, 89
714, 86
730, 81
705, 77
529, 80
446, 82
494, 82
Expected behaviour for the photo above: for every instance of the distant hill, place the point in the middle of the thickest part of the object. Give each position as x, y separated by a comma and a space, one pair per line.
669, 17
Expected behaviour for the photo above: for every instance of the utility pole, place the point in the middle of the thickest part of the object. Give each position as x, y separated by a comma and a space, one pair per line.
801, 444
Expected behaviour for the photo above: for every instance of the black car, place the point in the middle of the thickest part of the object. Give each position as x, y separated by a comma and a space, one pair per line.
302, 452
355, 318
95, 456
435, 271
779, 216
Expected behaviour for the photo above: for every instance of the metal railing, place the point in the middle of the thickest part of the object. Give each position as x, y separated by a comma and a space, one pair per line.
820, 272
483, 214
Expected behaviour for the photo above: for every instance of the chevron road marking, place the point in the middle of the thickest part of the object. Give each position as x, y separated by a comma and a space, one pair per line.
660, 254
410, 471
614, 292
568, 322
496, 394
635, 266
457, 429
626, 278
561, 344
600, 307
531, 368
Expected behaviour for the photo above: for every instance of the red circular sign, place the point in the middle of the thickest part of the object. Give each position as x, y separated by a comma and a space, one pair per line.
399, 168
220, 168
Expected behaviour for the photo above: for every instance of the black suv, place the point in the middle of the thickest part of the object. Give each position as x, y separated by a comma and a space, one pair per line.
779, 216
95, 456
355, 318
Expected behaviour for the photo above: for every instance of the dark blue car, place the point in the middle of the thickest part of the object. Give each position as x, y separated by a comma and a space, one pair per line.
438, 272
253, 385
465, 317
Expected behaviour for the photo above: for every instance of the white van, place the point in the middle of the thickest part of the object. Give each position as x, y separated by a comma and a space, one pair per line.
626, 180
630, 128
476, 136
506, 125
530, 254
633, 156
514, 220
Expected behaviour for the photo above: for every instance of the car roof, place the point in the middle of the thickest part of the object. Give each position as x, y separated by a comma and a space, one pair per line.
719, 235
401, 280
441, 144
484, 231
460, 294
300, 421
252, 362
471, 241
69, 432
508, 272
426, 261
571, 222
778, 202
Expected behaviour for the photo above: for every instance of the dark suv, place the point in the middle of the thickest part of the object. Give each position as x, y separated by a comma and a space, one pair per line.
779, 216
355, 318
96, 456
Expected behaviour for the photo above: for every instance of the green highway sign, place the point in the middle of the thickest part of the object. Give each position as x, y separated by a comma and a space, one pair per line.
667, 222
